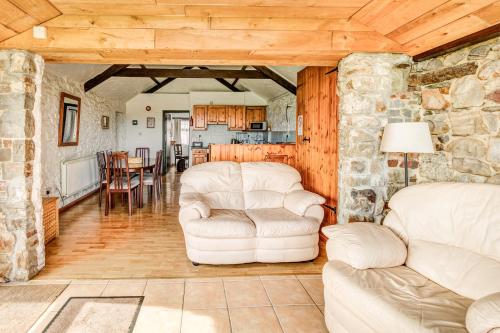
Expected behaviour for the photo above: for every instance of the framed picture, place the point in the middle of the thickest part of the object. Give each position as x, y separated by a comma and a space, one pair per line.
135, 122
69, 120
105, 122
151, 122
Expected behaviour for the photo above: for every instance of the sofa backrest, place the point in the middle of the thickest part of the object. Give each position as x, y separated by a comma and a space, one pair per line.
452, 231
266, 183
219, 183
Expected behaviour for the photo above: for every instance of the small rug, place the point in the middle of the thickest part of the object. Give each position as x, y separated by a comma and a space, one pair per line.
22, 305
96, 315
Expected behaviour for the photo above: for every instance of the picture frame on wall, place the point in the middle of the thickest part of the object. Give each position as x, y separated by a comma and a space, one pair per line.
150, 122
135, 122
69, 119
105, 122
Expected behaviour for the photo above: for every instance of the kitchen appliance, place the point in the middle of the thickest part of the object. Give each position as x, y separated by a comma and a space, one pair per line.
235, 141
197, 144
258, 126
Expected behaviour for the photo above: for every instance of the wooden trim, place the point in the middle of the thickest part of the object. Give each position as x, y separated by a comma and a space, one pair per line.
477, 37
223, 82
269, 73
159, 85
61, 125
100, 78
189, 73
79, 200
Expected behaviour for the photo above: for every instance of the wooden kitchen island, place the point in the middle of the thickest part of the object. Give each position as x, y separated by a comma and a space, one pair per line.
253, 153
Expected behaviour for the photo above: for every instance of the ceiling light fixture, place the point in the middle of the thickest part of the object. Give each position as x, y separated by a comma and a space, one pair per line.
39, 32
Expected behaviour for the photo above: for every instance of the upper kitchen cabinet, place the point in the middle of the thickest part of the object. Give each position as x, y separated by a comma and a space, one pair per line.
200, 117
217, 115
254, 114
236, 117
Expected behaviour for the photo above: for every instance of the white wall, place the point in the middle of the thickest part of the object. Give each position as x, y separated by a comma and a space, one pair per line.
140, 136
92, 137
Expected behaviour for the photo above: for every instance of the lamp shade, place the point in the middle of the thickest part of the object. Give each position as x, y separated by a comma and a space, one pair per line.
411, 137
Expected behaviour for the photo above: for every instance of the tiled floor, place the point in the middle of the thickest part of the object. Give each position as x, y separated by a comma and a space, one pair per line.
284, 303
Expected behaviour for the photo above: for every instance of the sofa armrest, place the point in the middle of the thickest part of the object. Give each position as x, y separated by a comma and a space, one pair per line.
484, 314
364, 245
195, 201
299, 201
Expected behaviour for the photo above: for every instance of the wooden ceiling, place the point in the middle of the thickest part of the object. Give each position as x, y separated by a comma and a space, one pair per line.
261, 32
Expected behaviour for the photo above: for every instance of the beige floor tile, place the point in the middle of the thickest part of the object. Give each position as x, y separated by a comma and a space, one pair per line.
321, 308
76, 290
163, 281
164, 294
42, 322
124, 288
206, 321
240, 278
90, 281
278, 277
204, 295
158, 319
301, 319
252, 320
314, 288
245, 293
308, 276
286, 292
204, 279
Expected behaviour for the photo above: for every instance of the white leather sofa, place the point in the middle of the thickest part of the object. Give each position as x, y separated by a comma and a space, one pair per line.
234, 213
434, 265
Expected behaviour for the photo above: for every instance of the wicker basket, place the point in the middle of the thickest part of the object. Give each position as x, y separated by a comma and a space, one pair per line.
50, 218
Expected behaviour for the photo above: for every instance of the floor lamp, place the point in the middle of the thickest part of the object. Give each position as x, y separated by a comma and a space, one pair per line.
411, 137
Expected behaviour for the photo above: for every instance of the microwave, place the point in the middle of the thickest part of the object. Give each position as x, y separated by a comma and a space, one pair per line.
258, 126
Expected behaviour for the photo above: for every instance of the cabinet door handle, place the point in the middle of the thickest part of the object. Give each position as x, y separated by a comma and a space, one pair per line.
306, 139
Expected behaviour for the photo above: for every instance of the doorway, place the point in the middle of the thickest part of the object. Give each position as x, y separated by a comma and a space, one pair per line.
175, 130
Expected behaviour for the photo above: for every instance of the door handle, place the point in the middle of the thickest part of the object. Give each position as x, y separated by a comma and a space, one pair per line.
306, 139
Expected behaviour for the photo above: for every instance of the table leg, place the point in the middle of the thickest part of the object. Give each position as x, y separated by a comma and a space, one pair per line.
141, 186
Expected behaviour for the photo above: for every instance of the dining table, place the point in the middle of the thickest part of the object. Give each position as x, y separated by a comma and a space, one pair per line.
147, 164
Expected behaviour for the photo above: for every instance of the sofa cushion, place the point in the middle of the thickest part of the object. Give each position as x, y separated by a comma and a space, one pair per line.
280, 222
453, 223
265, 183
483, 316
364, 245
222, 223
395, 299
299, 201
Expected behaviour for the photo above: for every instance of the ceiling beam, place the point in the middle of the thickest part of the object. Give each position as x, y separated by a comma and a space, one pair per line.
477, 37
152, 78
100, 78
236, 80
222, 81
162, 84
269, 73
189, 73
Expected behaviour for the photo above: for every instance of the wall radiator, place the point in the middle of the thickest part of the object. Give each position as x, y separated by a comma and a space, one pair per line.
78, 175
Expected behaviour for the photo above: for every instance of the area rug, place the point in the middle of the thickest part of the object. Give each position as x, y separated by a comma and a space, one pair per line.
22, 305
96, 315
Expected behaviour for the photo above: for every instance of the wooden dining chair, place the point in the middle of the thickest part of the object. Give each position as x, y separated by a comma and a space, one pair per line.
142, 152
153, 181
178, 153
101, 165
119, 180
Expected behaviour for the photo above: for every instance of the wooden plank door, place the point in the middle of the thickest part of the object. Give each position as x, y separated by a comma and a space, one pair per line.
212, 115
199, 117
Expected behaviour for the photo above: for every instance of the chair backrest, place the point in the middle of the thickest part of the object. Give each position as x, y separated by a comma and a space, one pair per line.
266, 183
101, 164
118, 172
452, 231
178, 149
142, 152
158, 163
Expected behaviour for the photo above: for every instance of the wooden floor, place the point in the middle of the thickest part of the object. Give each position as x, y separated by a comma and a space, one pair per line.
149, 244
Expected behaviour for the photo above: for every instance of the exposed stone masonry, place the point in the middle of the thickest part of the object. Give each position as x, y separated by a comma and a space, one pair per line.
21, 237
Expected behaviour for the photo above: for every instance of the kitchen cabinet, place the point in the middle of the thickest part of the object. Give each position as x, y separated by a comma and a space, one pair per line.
216, 115
199, 155
200, 117
254, 114
236, 117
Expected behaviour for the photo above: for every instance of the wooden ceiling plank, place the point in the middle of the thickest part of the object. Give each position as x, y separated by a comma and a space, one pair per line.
68, 38
290, 24
100, 78
276, 11
14, 18
189, 73
111, 8
436, 18
448, 33
41, 10
267, 3
129, 22
490, 14
6, 33
277, 78
371, 10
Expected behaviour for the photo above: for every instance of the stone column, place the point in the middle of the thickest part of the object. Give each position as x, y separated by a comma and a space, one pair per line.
367, 86
21, 231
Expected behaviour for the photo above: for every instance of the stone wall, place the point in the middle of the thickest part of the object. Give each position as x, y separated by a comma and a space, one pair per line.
92, 137
372, 90
21, 231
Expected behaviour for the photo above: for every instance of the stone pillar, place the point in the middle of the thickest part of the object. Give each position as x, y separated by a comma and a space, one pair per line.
367, 86
21, 231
